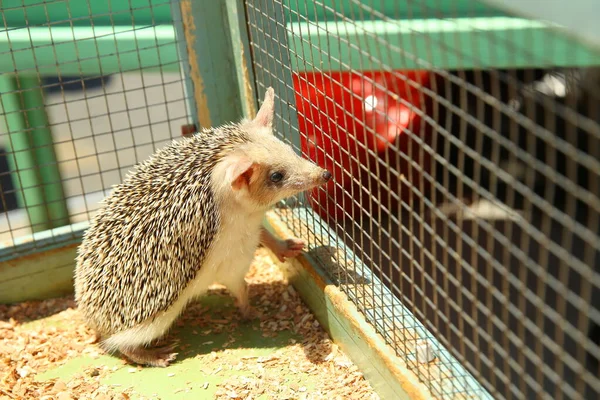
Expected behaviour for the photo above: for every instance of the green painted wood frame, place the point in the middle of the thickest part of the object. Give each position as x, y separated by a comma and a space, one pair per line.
222, 81
425, 34
30, 152
580, 18
224, 90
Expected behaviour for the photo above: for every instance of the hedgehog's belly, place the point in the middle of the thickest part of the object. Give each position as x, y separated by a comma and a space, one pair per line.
227, 263
231, 254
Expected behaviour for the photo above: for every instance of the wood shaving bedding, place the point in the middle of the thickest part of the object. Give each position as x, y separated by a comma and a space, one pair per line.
41, 335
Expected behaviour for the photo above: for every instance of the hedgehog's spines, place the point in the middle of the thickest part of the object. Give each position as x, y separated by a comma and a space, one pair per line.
136, 207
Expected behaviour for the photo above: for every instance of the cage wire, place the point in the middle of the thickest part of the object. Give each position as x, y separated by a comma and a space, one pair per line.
88, 89
464, 145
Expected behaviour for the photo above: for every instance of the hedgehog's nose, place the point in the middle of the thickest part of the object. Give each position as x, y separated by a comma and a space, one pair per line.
326, 176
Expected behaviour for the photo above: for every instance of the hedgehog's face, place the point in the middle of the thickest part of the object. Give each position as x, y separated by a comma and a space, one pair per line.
266, 170
278, 173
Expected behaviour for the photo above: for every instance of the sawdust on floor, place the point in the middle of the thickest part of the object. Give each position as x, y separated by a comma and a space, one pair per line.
31, 343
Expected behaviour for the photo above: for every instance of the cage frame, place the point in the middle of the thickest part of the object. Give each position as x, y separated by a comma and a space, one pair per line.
47, 252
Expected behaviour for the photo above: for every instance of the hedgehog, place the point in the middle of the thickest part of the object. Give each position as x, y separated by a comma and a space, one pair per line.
188, 217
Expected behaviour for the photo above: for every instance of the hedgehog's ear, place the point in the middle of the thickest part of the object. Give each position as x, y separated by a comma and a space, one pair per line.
240, 172
264, 117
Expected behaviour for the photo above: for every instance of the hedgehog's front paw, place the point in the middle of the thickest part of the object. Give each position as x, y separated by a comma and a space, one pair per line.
289, 248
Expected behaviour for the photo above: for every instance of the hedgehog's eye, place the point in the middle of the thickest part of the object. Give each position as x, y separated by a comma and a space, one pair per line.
276, 177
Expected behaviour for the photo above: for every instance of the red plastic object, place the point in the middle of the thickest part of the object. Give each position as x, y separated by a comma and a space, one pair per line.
347, 123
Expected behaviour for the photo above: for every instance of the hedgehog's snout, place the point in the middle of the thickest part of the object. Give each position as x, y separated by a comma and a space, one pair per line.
308, 175
320, 176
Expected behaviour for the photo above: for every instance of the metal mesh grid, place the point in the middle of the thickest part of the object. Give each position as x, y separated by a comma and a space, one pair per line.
88, 89
466, 169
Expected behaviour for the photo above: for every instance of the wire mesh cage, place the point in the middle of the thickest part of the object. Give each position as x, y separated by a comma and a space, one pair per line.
463, 221
463, 141
88, 89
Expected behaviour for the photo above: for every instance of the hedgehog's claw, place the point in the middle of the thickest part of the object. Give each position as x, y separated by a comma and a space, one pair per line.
289, 248
153, 357
282, 249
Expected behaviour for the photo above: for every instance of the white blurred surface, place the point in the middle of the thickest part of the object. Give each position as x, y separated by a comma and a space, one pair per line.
101, 133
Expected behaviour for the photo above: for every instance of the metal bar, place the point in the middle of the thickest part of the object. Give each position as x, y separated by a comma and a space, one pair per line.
21, 156
43, 151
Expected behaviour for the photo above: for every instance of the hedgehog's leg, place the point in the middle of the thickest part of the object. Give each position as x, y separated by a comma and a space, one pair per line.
155, 357
134, 343
281, 248
240, 292
236, 284
159, 356
96, 339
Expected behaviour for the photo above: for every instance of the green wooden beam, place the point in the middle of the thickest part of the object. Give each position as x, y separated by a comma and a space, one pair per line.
330, 10
212, 43
31, 153
43, 275
579, 18
242, 56
88, 51
85, 13
42, 145
185, 69
21, 155
131, 12
39, 266
460, 43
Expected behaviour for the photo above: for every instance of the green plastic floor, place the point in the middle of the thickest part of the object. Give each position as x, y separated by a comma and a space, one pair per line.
204, 360
283, 354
